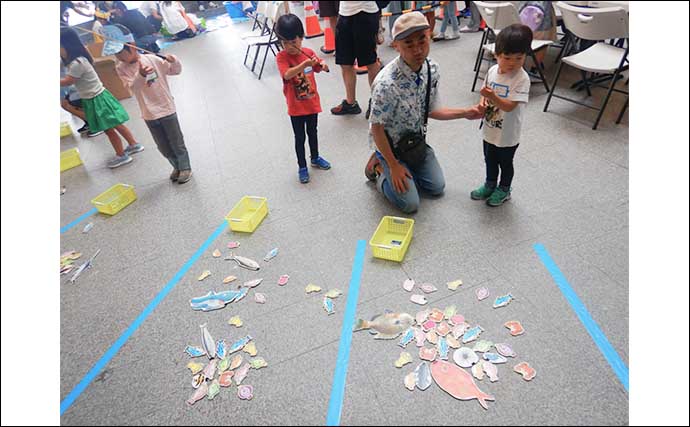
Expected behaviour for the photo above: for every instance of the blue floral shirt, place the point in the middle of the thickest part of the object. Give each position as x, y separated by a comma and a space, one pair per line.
397, 98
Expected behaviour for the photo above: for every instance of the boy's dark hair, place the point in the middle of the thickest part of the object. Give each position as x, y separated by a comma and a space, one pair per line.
516, 38
69, 40
289, 27
120, 6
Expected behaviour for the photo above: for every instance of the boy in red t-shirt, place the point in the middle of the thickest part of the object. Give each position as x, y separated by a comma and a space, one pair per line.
297, 66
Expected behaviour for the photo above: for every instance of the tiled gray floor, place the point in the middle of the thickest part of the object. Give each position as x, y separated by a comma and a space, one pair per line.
571, 194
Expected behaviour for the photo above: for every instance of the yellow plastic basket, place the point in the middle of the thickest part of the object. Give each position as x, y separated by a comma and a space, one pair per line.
114, 199
247, 214
69, 159
392, 238
65, 129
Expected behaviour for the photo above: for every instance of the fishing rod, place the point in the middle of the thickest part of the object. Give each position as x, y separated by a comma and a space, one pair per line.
119, 41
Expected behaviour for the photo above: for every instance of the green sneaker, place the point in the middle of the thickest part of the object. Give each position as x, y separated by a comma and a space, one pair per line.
498, 197
482, 193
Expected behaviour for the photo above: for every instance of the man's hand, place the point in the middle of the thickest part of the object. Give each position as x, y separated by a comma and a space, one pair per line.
476, 112
399, 175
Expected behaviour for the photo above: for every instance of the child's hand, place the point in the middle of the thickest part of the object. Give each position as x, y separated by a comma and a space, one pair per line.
170, 59
144, 70
488, 93
324, 66
311, 62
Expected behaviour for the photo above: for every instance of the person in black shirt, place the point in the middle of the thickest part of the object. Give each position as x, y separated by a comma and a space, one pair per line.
135, 21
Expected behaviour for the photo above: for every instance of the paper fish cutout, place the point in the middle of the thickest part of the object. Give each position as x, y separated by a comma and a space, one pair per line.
207, 342
460, 329
224, 365
449, 312
442, 329
235, 321
456, 319
197, 380
454, 284
388, 326
239, 344
436, 315
235, 362
271, 254
503, 300
260, 298
194, 351
225, 379
334, 293
221, 349
458, 383
241, 373
242, 293
328, 305
195, 367
465, 357
418, 299
422, 375
421, 316
312, 288
419, 337
432, 337
490, 369
505, 350
282, 281
233, 245
443, 349
213, 389
199, 393
243, 262
250, 349
428, 354
403, 360
482, 346
213, 301
258, 363
407, 338
251, 284
428, 325
472, 334
452, 341
216, 254
87, 227
408, 285
494, 358
478, 371
204, 275
410, 381
428, 288
245, 392
515, 328
524, 369
229, 279
210, 369
482, 293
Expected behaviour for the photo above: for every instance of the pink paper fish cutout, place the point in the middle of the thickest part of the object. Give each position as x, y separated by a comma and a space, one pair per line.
525, 370
515, 328
198, 394
458, 383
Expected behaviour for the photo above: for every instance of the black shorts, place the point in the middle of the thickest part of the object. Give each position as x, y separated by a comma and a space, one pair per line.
74, 103
328, 8
355, 38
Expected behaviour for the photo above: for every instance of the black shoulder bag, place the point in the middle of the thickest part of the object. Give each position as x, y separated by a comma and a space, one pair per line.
411, 149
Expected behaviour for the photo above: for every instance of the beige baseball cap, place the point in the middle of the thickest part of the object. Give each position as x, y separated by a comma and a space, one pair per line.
409, 23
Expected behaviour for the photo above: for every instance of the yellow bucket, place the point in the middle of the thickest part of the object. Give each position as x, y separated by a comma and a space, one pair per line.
392, 238
247, 214
114, 199
69, 159
65, 129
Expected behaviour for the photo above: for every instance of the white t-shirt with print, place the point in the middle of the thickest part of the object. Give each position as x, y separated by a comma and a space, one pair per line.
502, 128
86, 80
349, 8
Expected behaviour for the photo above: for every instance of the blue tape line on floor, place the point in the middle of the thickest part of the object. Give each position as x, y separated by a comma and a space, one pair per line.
335, 405
78, 220
112, 351
618, 366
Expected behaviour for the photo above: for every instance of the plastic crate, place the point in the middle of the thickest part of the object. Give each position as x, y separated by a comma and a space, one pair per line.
247, 214
392, 238
114, 199
65, 129
69, 159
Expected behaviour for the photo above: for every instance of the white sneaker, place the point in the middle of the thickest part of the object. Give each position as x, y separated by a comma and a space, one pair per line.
439, 36
466, 29
454, 35
118, 161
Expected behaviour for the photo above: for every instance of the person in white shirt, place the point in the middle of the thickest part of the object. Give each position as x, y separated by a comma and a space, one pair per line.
150, 10
504, 94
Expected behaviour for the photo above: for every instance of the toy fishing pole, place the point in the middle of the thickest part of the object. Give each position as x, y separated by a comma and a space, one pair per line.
321, 63
119, 41
84, 266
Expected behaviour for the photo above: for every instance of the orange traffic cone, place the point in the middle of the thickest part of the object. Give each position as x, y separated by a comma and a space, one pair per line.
313, 27
329, 45
482, 24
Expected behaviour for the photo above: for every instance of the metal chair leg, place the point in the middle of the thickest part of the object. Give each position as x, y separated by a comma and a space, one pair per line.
553, 86
481, 49
620, 116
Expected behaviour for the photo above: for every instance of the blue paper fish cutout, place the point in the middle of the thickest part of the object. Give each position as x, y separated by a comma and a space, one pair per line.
194, 351
328, 305
221, 349
239, 344
407, 338
471, 334
442, 348
502, 300
494, 358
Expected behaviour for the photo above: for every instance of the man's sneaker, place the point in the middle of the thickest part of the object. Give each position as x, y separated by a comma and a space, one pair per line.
439, 36
84, 128
498, 197
345, 108
136, 148
174, 175
320, 163
370, 169
91, 133
185, 175
482, 193
467, 29
118, 161
453, 35
303, 175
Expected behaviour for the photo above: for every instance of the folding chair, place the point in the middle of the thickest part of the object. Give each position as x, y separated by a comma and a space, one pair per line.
601, 58
260, 16
497, 17
269, 41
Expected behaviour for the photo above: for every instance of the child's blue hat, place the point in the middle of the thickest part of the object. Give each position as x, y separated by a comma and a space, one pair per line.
115, 39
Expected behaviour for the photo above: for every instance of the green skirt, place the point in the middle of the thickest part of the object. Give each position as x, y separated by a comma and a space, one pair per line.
104, 112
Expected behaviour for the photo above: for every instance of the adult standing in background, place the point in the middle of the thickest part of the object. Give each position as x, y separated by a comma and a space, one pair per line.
150, 10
